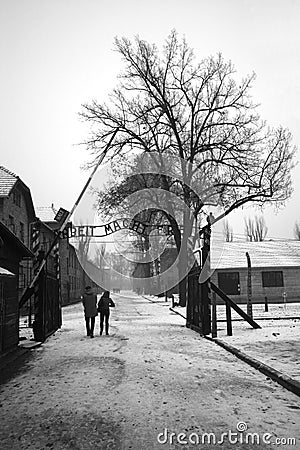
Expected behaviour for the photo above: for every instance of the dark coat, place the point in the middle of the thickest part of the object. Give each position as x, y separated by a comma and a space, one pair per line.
105, 303
89, 301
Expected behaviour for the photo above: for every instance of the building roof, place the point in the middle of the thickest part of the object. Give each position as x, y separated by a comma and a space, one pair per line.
9, 238
7, 181
231, 255
46, 213
6, 273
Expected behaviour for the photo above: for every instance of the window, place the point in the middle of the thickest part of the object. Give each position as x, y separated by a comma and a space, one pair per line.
11, 223
22, 280
272, 278
229, 282
22, 232
17, 198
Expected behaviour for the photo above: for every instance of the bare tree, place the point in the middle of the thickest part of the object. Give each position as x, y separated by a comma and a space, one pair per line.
256, 229
297, 231
228, 232
168, 104
260, 230
99, 256
99, 260
83, 246
249, 229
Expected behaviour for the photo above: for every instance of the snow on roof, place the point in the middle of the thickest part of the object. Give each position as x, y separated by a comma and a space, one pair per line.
262, 254
5, 272
7, 181
46, 213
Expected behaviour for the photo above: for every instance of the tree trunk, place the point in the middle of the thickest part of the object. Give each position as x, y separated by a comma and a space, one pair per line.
183, 291
184, 260
182, 269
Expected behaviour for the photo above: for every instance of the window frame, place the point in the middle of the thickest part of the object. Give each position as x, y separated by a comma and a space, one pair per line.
236, 273
278, 278
17, 198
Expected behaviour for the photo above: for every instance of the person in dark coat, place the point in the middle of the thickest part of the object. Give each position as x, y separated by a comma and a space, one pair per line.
89, 301
104, 304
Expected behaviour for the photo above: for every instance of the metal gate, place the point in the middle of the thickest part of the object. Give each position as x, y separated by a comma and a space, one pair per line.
47, 305
198, 304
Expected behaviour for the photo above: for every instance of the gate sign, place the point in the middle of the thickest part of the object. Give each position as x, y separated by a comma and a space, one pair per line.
77, 231
61, 215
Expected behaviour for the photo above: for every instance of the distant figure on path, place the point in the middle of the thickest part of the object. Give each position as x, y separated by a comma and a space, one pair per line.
89, 301
104, 304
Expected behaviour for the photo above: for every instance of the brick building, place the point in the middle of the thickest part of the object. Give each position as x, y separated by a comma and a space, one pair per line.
16, 206
73, 275
17, 213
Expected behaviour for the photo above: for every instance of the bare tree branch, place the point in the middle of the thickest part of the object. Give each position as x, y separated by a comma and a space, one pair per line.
168, 104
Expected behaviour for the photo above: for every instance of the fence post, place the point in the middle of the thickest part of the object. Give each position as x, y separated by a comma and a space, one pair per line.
284, 300
249, 288
206, 301
38, 325
266, 304
228, 320
214, 329
35, 248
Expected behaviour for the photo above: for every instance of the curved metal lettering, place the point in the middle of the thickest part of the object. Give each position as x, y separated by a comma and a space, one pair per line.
77, 231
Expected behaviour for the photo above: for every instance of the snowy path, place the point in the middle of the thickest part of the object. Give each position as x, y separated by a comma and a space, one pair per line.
121, 391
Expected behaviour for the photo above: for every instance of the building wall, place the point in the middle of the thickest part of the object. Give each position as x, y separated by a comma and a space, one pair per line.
76, 275
15, 215
64, 271
9, 336
14, 209
73, 278
291, 284
9, 302
72, 274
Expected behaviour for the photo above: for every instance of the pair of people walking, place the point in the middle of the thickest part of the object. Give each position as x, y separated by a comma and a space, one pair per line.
91, 310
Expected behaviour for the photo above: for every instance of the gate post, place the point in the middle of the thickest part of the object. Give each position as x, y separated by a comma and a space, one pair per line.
39, 313
228, 320
249, 288
58, 280
214, 326
205, 287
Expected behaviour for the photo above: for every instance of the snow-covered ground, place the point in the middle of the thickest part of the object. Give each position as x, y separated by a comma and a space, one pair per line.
151, 377
276, 344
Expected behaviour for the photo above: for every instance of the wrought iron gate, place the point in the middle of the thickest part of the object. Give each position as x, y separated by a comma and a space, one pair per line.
47, 305
198, 304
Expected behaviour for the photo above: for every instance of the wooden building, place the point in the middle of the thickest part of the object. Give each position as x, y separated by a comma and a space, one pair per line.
275, 270
12, 251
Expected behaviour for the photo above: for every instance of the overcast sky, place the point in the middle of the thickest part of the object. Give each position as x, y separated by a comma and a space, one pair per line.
58, 54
